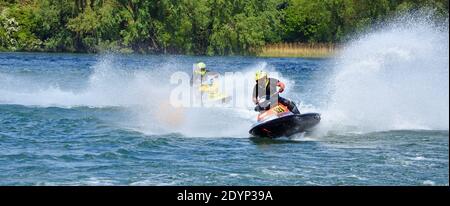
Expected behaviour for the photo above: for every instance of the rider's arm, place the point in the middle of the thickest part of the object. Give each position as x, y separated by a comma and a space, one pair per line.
281, 85
254, 97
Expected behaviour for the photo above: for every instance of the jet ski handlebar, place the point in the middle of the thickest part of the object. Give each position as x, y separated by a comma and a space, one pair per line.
266, 103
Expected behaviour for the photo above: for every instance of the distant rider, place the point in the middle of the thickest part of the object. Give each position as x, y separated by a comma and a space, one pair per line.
266, 89
199, 74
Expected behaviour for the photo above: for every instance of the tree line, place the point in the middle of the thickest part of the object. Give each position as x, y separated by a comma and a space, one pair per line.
198, 27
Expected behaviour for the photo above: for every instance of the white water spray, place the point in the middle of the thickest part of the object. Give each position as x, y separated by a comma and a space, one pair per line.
392, 79
143, 93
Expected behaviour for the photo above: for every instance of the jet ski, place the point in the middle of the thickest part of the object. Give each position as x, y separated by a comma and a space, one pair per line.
213, 94
278, 121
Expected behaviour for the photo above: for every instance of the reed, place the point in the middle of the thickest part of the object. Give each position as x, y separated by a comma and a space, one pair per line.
307, 50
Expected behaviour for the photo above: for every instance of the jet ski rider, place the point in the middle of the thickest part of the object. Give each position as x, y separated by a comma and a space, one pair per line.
266, 88
200, 73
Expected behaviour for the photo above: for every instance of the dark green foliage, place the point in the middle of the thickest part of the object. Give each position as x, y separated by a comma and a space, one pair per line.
200, 27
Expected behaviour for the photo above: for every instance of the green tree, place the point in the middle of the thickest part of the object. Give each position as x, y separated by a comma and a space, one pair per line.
200, 27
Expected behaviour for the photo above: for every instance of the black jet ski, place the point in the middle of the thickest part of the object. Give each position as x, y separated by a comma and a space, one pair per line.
278, 121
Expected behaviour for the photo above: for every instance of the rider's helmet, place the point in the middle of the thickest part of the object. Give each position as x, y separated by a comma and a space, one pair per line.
201, 68
201, 65
260, 74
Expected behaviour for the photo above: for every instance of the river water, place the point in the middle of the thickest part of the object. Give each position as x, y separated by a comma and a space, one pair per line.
81, 119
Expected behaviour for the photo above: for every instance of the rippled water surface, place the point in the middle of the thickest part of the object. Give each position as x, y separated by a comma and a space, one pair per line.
71, 119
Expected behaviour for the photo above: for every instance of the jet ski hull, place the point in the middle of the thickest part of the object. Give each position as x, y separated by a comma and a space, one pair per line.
285, 126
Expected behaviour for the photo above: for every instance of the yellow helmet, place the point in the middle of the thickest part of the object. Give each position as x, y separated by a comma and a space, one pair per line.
201, 65
260, 74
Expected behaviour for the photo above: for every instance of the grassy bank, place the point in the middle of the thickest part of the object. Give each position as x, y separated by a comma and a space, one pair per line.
307, 50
